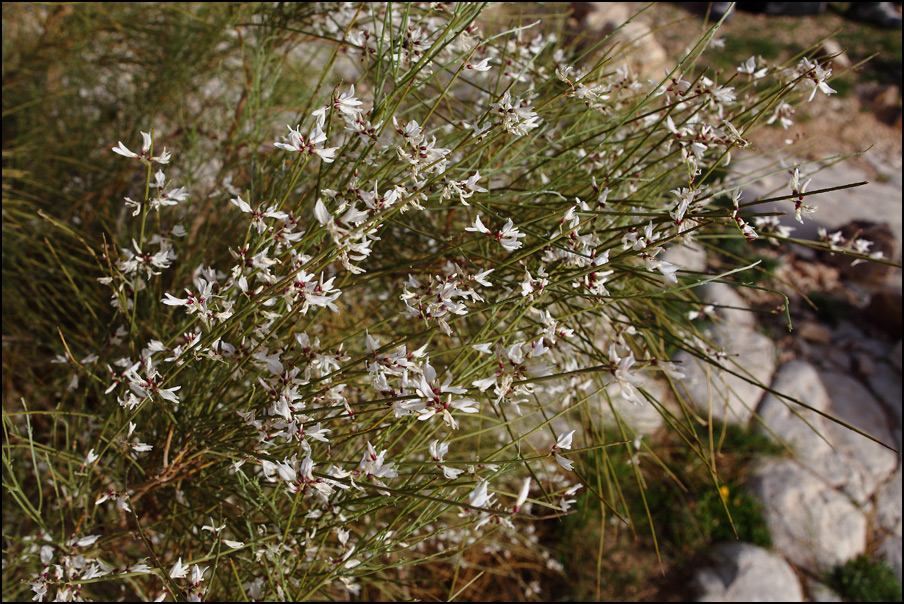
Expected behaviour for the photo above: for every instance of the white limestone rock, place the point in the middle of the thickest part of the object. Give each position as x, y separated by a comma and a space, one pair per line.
838, 455
636, 41
888, 505
876, 202
731, 398
747, 573
730, 306
643, 418
853, 404
689, 257
814, 526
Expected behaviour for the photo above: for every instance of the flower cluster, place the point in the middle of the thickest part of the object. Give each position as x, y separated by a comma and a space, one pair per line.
359, 339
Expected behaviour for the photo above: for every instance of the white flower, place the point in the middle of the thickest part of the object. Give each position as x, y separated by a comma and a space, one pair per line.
40, 589
96, 570
129, 402
478, 227
667, 269
86, 541
723, 94
531, 286
479, 497
748, 67
627, 381
317, 433
482, 277
169, 394
508, 236
141, 567
798, 190
816, 77
212, 528
564, 440
669, 368
464, 188
565, 463
286, 471
312, 144
197, 574
179, 571
782, 113
484, 384
451, 473
121, 149
171, 300
747, 230
375, 466
347, 103
240, 203
91, 458
685, 199
131, 203
517, 116
522, 495
438, 450
483, 65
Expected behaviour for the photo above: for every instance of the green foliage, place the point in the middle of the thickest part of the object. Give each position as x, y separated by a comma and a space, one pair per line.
712, 522
829, 309
676, 501
708, 513
862, 580
844, 86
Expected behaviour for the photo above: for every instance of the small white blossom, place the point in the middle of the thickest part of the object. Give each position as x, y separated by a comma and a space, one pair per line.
748, 67
179, 570
85, 541
144, 155
482, 66
313, 144
566, 464
479, 496
522, 495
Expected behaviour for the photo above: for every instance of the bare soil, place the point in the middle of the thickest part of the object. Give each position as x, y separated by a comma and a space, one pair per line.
866, 111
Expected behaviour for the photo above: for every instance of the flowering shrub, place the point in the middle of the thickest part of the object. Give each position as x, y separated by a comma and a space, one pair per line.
324, 355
